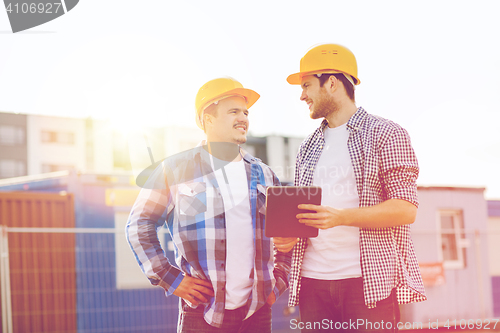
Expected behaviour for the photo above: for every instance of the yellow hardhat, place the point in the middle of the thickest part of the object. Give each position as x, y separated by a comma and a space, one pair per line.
327, 58
217, 89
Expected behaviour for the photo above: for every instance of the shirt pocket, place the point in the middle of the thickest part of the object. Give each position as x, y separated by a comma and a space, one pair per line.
192, 198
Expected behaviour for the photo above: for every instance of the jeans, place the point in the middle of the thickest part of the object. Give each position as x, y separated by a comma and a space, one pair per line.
339, 305
192, 321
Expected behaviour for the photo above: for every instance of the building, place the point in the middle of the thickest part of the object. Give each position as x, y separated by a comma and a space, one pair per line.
34, 144
13, 145
450, 235
494, 252
280, 155
55, 144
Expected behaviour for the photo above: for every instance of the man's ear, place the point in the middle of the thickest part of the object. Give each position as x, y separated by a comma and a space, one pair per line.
208, 119
333, 83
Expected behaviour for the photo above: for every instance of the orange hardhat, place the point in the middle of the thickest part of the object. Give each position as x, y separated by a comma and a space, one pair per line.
217, 89
327, 58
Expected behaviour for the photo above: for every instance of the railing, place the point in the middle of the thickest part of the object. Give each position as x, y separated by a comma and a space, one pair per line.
87, 280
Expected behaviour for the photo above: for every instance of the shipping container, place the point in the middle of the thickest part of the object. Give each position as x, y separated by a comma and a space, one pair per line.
41, 265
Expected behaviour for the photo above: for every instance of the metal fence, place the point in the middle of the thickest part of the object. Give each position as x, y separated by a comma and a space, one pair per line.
58, 296
73, 280
70, 280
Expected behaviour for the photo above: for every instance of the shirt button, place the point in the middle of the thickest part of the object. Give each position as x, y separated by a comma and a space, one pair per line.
221, 265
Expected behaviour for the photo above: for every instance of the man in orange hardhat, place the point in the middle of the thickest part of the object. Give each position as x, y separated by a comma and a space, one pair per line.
362, 264
227, 274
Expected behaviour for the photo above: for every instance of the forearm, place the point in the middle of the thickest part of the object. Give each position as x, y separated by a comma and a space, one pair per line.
147, 216
390, 213
143, 240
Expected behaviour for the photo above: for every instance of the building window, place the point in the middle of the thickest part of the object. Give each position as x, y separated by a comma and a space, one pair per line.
452, 239
54, 167
12, 168
11, 135
58, 137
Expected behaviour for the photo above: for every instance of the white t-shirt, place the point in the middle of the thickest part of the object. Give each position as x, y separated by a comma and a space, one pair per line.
240, 249
334, 254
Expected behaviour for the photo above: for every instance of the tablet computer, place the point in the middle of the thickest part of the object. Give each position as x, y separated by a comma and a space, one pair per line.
281, 210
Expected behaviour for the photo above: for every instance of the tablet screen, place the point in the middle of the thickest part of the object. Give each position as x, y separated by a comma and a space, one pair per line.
281, 210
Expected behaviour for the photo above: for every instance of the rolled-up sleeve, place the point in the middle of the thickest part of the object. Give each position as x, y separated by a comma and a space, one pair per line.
282, 262
399, 167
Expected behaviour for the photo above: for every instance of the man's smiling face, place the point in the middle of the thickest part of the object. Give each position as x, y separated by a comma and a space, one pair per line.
230, 123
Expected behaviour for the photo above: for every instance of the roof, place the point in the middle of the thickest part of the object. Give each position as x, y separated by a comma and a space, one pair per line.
452, 188
493, 208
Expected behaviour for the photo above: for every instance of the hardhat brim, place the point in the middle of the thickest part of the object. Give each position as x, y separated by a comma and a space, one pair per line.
296, 78
250, 96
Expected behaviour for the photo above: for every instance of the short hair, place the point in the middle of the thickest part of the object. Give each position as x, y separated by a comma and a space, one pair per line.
211, 110
349, 88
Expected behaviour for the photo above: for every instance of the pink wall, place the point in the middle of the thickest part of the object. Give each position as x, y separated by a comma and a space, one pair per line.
466, 293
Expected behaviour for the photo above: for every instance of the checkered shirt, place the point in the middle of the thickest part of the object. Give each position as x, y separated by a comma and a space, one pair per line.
385, 167
191, 204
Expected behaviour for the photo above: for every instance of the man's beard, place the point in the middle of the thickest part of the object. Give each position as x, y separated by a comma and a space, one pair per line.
324, 106
240, 141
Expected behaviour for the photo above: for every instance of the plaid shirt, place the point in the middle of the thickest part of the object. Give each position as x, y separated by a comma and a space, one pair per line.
193, 208
385, 167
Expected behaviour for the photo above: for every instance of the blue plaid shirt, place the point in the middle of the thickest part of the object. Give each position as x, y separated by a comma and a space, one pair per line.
191, 203
385, 167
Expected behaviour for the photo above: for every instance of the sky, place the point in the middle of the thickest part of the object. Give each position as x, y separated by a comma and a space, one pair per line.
431, 66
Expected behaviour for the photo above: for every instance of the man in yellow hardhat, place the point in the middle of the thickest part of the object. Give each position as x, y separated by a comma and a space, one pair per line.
362, 264
227, 275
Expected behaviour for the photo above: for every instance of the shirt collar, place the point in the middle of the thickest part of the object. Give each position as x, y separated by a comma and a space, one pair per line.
354, 123
357, 119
